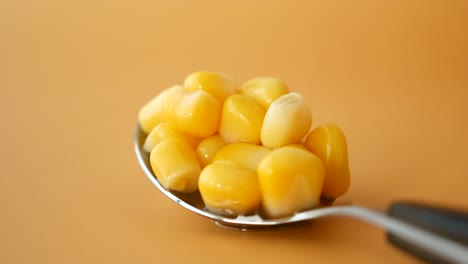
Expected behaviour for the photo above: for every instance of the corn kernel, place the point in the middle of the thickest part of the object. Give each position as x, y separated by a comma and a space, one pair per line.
229, 190
290, 180
152, 113
264, 90
194, 112
241, 119
287, 121
175, 165
218, 84
244, 155
165, 130
208, 148
328, 142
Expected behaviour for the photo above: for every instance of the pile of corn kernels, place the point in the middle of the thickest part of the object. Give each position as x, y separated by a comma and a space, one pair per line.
246, 148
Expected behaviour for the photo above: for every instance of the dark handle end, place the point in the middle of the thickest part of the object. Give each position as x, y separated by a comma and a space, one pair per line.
448, 223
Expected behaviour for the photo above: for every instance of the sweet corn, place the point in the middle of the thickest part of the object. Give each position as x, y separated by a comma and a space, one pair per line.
218, 84
328, 142
264, 90
152, 113
287, 121
246, 149
290, 180
229, 190
194, 112
244, 155
165, 130
175, 165
208, 148
241, 119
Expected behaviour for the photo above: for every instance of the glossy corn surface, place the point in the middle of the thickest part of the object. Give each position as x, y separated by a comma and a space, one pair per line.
153, 113
264, 90
241, 119
287, 121
220, 85
244, 155
163, 131
291, 180
328, 142
194, 112
246, 148
175, 165
208, 148
229, 190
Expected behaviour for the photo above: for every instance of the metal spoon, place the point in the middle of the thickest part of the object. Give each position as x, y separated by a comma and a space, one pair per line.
440, 248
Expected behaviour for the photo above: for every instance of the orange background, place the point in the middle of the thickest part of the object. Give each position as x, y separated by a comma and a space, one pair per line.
73, 75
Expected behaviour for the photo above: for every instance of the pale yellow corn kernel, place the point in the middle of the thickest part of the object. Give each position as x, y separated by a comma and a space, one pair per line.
220, 85
328, 142
241, 119
265, 90
229, 190
152, 113
290, 180
194, 112
208, 148
175, 165
165, 130
287, 121
244, 155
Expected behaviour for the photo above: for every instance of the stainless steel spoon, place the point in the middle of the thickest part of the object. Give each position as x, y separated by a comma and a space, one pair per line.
422, 241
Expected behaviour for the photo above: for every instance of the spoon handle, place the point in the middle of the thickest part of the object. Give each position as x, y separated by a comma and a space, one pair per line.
429, 245
447, 223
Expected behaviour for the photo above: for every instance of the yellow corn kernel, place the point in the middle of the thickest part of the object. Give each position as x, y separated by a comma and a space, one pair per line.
175, 165
218, 84
208, 148
244, 155
229, 190
287, 121
290, 180
165, 130
328, 142
194, 112
241, 119
265, 90
152, 113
